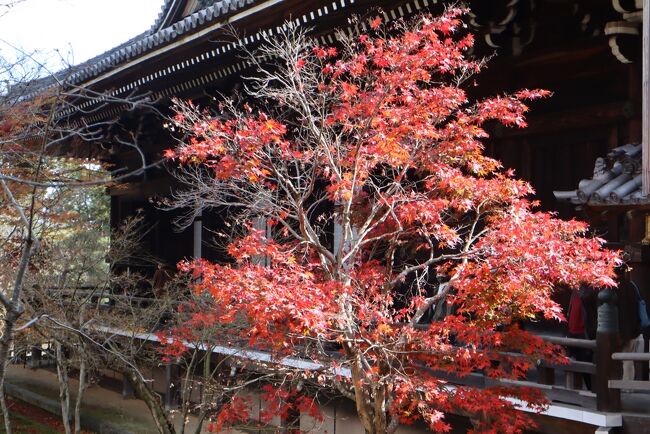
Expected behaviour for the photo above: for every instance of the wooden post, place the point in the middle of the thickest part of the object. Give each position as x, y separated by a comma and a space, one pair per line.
607, 343
545, 375
573, 380
197, 228
261, 223
35, 359
645, 367
645, 124
172, 386
127, 388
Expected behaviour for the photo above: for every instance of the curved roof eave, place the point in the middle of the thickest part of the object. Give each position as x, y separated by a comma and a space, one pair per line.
166, 12
154, 38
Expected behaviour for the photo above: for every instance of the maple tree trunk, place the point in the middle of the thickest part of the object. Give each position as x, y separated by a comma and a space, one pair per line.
380, 409
5, 411
360, 398
143, 392
5, 344
186, 391
64, 390
80, 392
13, 311
205, 395
83, 364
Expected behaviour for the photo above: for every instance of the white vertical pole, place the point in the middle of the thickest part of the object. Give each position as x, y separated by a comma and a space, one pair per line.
197, 227
338, 236
261, 224
645, 56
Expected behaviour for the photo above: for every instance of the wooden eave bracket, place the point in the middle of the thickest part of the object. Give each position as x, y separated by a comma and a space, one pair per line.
624, 35
646, 240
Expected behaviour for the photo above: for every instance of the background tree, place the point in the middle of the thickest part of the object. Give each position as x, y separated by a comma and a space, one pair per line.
96, 319
41, 191
367, 163
205, 374
6, 5
69, 276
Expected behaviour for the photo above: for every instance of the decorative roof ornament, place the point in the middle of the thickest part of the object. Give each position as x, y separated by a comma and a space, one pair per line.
173, 11
616, 180
164, 14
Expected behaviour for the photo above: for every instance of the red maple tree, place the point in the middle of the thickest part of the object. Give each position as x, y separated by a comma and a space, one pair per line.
367, 165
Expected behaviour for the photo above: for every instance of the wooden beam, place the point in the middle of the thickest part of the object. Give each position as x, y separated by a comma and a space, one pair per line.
140, 189
629, 384
574, 118
645, 97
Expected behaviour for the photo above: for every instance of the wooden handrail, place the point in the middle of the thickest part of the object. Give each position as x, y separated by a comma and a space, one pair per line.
572, 366
105, 293
589, 344
634, 357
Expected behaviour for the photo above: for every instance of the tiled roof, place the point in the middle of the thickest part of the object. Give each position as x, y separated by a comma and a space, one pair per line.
169, 12
155, 37
204, 4
616, 180
218, 12
162, 15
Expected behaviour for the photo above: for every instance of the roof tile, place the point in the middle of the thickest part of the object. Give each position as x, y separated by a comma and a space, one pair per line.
616, 180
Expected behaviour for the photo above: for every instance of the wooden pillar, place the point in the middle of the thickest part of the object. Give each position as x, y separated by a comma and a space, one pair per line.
645, 122
197, 228
526, 161
127, 388
35, 359
172, 386
607, 342
545, 375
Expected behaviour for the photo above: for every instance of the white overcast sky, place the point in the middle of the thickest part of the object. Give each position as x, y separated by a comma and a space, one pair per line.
79, 29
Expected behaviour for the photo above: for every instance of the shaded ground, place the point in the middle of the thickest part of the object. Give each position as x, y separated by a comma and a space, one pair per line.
27, 419
101, 404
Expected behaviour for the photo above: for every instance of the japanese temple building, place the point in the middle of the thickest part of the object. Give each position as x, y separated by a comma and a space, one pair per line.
586, 150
